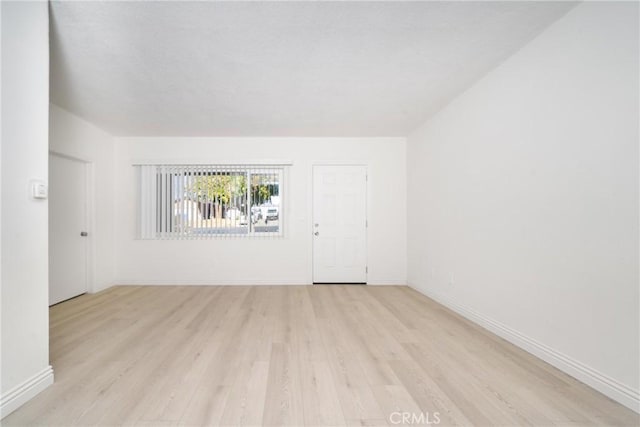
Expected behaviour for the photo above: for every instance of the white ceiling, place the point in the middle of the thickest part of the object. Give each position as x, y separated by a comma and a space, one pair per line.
278, 68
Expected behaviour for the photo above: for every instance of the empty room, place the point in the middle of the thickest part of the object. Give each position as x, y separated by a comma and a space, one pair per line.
320, 213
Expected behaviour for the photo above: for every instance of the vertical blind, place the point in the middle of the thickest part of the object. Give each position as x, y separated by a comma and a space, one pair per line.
210, 201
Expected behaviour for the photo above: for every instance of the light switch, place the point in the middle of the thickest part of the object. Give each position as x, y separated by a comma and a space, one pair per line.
39, 190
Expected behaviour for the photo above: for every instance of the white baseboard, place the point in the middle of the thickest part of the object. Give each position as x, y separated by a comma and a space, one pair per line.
137, 282
21, 394
262, 282
608, 386
387, 283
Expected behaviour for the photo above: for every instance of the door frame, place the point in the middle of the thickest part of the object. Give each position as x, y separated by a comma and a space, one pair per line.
90, 244
311, 216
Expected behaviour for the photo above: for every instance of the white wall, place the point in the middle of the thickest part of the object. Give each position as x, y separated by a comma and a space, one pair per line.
525, 191
72, 136
255, 261
25, 366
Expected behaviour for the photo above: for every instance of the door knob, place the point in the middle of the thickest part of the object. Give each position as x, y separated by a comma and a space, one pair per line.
84, 233
316, 233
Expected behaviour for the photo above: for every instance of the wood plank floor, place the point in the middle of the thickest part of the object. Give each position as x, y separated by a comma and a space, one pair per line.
294, 355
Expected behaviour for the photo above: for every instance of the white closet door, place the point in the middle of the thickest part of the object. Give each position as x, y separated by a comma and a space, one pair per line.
67, 223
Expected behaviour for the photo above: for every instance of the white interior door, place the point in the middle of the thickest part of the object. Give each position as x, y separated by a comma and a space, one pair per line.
340, 224
67, 222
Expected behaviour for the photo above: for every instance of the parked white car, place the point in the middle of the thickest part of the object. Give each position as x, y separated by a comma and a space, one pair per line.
271, 214
266, 211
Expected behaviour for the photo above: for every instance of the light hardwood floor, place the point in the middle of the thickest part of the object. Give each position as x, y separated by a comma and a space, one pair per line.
294, 355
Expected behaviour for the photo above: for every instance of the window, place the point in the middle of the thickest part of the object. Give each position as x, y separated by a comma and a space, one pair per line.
206, 201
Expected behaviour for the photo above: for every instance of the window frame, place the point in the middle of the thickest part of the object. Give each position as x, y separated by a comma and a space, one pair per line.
156, 200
